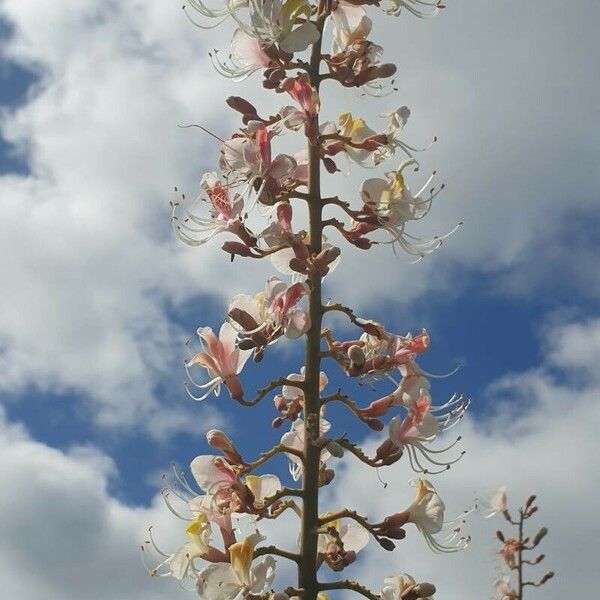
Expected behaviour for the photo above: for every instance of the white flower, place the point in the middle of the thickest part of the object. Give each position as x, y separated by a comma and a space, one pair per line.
395, 205
295, 439
274, 309
224, 213
247, 56
424, 9
497, 502
427, 513
272, 21
352, 535
395, 586
262, 487
229, 581
182, 561
350, 23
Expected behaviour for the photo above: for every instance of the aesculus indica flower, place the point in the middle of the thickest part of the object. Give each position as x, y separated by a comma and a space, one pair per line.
353, 137
182, 561
275, 22
504, 589
225, 215
223, 361
295, 439
394, 205
225, 493
237, 578
247, 56
424, 9
396, 588
350, 24
271, 313
420, 427
427, 513
262, 488
497, 503
352, 536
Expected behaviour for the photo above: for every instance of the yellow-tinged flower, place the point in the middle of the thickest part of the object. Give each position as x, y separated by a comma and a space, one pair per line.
240, 556
197, 530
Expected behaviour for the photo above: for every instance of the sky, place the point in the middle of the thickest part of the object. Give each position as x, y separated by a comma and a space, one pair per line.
98, 297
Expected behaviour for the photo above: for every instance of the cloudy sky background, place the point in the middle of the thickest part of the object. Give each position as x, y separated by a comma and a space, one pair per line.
98, 297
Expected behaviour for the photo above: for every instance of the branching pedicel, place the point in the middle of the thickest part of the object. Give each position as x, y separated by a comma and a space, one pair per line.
515, 549
271, 37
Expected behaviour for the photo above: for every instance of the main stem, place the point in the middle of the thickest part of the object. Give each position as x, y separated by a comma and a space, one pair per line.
307, 568
520, 557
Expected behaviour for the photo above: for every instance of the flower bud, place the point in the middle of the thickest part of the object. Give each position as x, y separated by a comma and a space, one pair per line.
326, 477
349, 557
386, 544
334, 449
362, 243
384, 71
531, 510
356, 355
424, 590
219, 440
246, 344
541, 534
374, 424
500, 536
330, 165
241, 105
530, 500
546, 577
377, 408
237, 248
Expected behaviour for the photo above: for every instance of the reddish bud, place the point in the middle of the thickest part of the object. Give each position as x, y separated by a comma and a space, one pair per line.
237, 248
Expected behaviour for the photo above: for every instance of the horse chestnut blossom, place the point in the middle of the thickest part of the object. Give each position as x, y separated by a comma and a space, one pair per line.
427, 514
225, 215
266, 200
400, 586
223, 361
238, 577
271, 313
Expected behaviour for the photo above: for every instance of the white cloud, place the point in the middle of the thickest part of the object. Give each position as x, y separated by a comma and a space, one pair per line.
63, 536
543, 439
89, 265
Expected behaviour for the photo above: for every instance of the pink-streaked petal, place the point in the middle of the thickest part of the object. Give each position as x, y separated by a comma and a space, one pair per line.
248, 49
298, 323
209, 475
282, 166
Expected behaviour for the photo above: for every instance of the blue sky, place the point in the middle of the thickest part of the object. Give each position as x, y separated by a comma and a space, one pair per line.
98, 296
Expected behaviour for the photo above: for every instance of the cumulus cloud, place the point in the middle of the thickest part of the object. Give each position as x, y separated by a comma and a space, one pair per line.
543, 439
63, 535
91, 271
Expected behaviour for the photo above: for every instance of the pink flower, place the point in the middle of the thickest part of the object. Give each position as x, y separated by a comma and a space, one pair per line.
225, 215
273, 312
222, 359
247, 56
